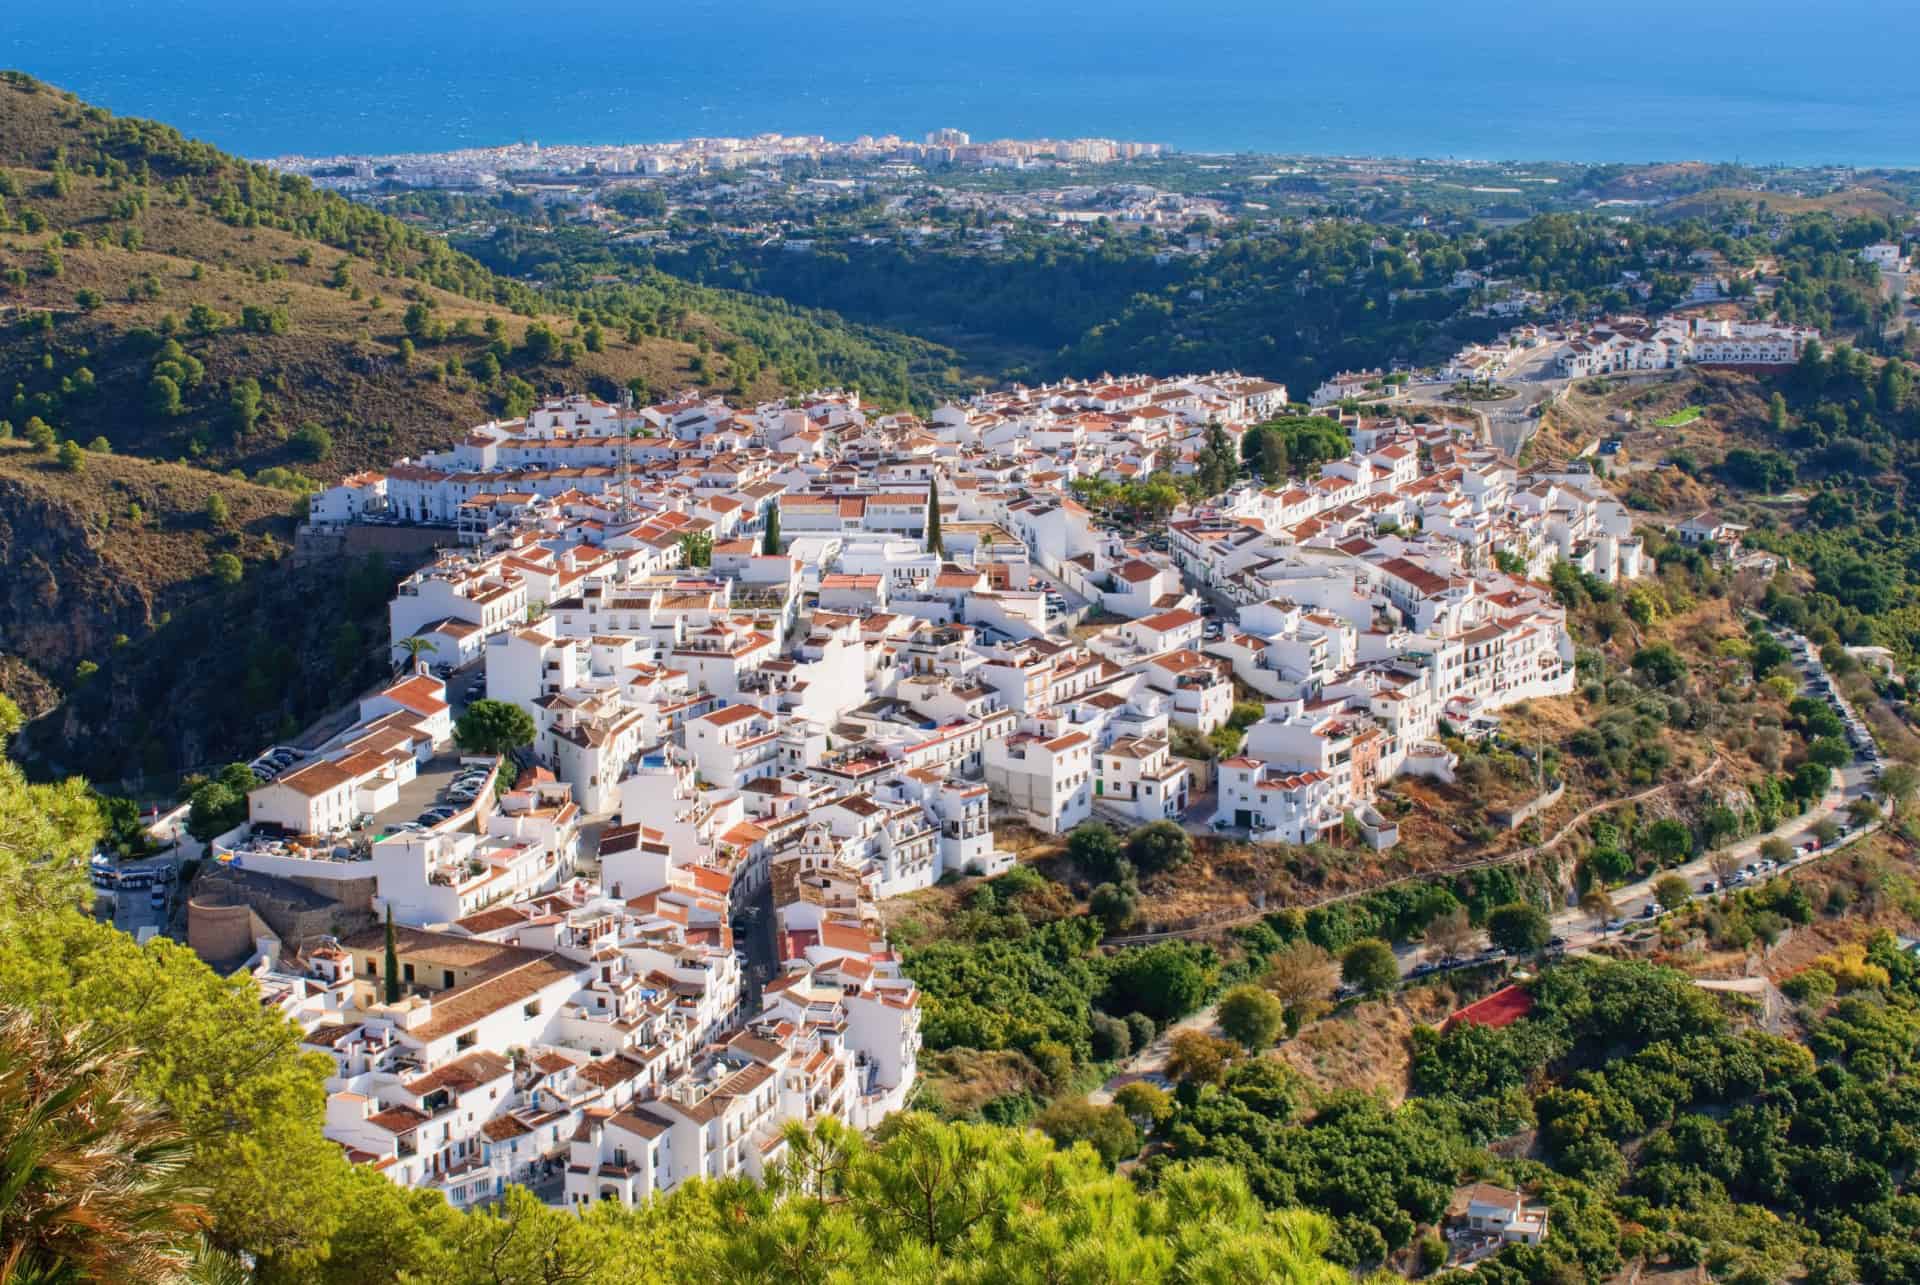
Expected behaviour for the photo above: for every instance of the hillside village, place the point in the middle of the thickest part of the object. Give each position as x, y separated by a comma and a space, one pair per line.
787, 661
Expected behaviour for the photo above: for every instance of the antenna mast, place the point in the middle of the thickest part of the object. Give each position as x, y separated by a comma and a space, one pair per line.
626, 438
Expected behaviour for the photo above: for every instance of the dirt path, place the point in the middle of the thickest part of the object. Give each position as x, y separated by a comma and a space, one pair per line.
1152, 1060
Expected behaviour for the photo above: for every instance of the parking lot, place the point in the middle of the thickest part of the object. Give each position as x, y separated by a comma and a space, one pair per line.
426, 790
276, 761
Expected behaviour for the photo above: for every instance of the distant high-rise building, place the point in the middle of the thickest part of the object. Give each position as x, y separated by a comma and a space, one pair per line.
949, 138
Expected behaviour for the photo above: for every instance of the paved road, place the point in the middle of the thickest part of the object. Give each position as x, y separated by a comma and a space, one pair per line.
133, 910
1509, 422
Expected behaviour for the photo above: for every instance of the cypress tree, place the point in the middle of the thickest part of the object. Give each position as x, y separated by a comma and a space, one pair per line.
393, 960
770, 542
934, 546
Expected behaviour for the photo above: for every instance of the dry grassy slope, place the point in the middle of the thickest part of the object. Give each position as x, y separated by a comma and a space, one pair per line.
1847, 203
1734, 410
338, 365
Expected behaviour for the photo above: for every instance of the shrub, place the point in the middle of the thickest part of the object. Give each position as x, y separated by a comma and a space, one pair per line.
1108, 1130
1053, 1060
1810, 986
1096, 849
1144, 1102
1112, 1038
311, 441
1157, 846
1113, 905
1251, 1016
1370, 964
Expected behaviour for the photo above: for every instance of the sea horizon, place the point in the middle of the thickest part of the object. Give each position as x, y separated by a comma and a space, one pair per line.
1719, 82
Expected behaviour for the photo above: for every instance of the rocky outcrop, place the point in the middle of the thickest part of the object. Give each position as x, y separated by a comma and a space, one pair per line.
62, 599
131, 657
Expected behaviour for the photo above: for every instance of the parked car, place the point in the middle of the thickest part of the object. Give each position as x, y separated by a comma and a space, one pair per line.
158, 898
1709, 885
1650, 910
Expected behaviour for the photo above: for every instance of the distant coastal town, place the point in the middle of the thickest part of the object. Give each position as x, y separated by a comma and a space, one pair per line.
489, 167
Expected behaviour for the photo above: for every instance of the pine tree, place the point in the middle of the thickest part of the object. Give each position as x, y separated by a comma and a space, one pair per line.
770, 542
393, 960
934, 545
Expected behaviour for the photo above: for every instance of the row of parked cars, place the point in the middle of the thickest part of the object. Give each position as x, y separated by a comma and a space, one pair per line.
1865, 748
455, 799
1756, 869
271, 764
1491, 955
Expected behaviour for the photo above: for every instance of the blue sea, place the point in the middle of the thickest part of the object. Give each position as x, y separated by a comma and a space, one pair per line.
1761, 81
